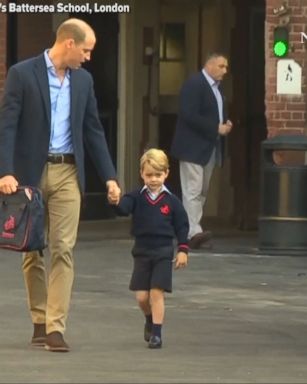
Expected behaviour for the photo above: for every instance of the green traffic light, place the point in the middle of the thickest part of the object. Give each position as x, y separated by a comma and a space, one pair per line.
281, 41
280, 48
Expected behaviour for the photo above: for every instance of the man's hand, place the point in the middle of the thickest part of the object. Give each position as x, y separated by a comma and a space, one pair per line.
181, 260
8, 184
113, 192
224, 129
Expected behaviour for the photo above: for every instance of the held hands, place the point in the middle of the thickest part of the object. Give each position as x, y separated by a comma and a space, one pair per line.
113, 192
8, 184
181, 260
224, 129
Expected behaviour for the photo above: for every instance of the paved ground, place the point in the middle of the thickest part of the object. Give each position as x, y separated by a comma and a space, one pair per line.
234, 317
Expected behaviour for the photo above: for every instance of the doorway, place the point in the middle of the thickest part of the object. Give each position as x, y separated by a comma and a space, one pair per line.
247, 109
103, 66
235, 27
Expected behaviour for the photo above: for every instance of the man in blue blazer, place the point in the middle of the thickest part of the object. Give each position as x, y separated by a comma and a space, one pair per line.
197, 142
48, 114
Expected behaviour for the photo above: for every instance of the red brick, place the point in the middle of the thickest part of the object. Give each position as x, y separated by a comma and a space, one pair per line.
296, 107
286, 113
298, 116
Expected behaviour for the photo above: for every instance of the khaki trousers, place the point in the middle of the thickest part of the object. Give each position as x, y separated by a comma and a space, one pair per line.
49, 285
195, 181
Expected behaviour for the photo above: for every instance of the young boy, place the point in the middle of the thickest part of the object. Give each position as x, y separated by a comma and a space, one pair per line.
157, 217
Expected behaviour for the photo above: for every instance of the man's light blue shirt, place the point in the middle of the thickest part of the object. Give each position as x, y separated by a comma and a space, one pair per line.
60, 130
215, 88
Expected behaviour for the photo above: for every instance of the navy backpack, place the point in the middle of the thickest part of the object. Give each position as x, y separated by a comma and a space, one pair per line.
22, 220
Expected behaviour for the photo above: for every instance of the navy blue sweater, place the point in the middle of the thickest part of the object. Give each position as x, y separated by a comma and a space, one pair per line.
155, 223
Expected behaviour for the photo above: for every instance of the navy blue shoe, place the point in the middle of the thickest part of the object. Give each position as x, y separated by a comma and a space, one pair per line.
147, 331
155, 342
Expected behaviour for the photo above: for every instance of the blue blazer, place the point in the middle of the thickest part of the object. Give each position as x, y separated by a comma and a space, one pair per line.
196, 131
25, 119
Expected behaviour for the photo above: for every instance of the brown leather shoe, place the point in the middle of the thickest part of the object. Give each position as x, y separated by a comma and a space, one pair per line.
200, 238
55, 342
39, 335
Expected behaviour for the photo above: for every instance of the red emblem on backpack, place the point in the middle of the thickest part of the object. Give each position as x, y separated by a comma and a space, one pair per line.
9, 223
165, 209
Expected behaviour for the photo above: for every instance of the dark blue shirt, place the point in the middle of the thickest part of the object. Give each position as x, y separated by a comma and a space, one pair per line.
156, 222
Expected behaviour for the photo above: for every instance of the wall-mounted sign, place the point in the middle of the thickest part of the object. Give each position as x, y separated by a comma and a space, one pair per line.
289, 77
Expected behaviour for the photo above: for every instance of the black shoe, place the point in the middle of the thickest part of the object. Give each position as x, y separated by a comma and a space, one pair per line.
55, 342
155, 342
39, 335
147, 331
199, 239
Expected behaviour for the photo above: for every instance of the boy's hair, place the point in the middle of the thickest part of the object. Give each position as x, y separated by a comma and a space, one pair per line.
156, 158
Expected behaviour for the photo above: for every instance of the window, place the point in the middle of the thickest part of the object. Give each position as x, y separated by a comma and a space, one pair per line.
172, 42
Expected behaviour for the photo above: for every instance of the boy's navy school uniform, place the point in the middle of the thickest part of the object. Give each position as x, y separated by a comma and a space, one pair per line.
156, 221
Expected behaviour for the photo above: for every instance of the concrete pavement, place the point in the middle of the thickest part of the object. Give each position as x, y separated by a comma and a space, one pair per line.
234, 317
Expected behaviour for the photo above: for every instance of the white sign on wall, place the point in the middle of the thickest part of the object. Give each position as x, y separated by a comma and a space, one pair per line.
289, 77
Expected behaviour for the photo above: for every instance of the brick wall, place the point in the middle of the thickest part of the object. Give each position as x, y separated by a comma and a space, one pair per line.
2, 51
286, 114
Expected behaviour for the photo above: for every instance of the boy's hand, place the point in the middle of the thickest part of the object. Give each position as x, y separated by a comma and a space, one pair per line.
181, 260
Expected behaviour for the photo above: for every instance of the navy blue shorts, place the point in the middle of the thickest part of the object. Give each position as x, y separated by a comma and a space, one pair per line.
152, 269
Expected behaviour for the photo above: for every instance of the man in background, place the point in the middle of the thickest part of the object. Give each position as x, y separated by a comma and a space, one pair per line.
198, 141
